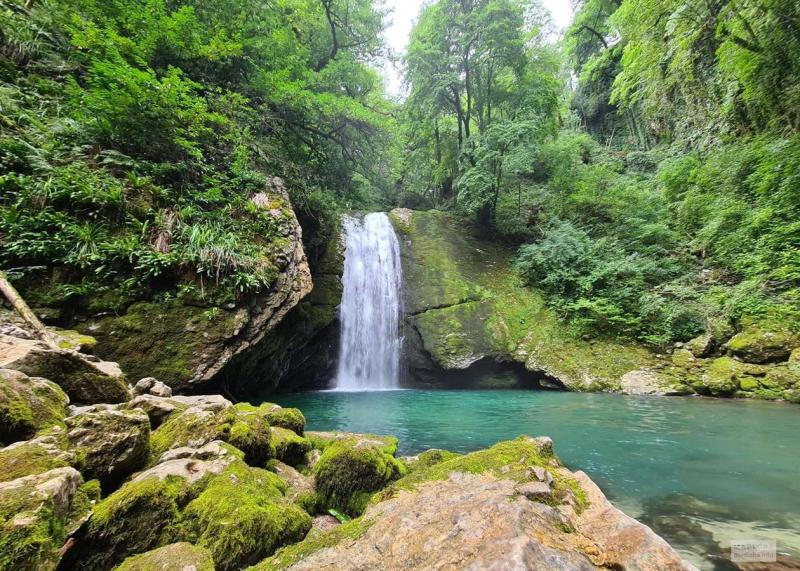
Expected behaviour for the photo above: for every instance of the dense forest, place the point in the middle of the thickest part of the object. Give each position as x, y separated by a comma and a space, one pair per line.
646, 164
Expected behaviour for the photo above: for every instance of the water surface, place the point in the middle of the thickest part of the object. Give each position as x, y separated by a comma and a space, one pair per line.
699, 471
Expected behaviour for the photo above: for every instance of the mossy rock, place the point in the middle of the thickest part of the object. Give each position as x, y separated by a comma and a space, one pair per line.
513, 459
110, 444
173, 557
350, 470
36, 514
291, 554
427, 459
289, 418
84, 382
724, 376
756, 345
36, 456
466, 302
28, 405
73, 340
193, 426
250, 433
289, 447
242, 517
170, 341
140, 516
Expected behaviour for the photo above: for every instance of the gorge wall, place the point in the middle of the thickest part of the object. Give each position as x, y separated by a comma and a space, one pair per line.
466, 307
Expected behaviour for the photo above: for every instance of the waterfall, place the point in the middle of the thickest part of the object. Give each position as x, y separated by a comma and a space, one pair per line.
369, 354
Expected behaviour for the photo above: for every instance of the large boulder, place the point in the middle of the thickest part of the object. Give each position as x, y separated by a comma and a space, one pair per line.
158, 409
111, 444
84, 381
242, 425
179, 556
186, 345
36, 514
724, 376
757, 345
513, 507
352, 467
465, 306
28, 405
31, 457
288, 446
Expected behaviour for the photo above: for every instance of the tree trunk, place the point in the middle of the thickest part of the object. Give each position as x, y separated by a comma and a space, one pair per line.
12, 295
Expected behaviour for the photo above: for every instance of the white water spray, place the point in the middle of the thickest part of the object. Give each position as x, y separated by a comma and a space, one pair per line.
370, 313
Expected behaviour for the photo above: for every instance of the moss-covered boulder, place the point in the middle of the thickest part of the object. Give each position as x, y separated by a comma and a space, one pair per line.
243, 425
84, 381
173, 557
352, 468
109, 444
427, 459
36, 456
289, 418
250, 433
757, 345
158, 409
242, 516
725, 375
36, 514
28, 405
193, 427
289, 447
140, 516
465, 304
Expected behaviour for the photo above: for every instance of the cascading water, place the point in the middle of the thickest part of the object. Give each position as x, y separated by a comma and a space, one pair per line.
370, 313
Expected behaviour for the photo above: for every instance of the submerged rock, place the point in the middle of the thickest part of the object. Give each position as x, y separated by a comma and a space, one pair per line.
84, 381
28, 405
180, 556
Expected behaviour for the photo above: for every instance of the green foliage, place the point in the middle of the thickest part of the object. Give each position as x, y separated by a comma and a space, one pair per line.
135, 133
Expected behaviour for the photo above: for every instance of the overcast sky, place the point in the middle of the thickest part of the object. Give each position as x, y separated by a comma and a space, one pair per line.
404, 12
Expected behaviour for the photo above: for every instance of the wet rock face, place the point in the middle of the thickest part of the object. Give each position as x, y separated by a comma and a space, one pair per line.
180, 344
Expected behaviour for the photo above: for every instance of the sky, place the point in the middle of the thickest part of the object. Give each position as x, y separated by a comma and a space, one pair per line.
404, 12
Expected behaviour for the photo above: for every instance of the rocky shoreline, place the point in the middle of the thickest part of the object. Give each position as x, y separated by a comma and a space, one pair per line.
138, 478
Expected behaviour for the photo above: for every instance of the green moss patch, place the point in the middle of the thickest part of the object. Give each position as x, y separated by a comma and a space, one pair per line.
289, 447
242, 517
289, 418
512, 459
350, 470
28, 405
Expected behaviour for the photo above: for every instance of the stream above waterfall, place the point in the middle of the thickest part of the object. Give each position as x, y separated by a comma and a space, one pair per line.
699, 471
